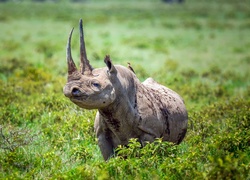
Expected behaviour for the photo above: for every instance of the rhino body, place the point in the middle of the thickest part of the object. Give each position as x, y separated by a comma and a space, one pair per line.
126, 107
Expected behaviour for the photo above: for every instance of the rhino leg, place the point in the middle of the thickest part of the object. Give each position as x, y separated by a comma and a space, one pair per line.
148, 133
145, 138
105, 146
104, 137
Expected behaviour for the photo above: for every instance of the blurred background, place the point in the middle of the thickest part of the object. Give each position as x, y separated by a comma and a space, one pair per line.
198, 48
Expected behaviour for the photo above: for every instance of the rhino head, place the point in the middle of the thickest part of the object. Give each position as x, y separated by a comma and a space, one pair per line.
87, 87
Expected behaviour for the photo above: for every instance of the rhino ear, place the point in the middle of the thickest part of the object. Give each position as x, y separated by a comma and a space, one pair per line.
111, 67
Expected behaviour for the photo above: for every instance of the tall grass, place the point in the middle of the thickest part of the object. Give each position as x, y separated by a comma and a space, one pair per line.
199, 49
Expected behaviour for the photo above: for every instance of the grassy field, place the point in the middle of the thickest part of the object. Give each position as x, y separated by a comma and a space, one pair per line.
200, 49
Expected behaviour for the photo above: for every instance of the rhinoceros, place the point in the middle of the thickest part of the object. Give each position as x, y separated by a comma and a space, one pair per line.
127, 108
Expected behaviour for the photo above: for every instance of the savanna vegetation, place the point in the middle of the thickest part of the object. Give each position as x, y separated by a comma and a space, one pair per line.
200, 49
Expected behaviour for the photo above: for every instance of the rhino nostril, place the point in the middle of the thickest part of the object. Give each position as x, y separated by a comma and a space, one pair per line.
76, 92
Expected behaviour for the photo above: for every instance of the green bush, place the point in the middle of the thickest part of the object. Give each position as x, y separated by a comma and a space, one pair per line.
199, 49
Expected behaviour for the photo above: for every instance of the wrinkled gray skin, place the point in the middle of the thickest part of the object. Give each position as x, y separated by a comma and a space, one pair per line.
126, 107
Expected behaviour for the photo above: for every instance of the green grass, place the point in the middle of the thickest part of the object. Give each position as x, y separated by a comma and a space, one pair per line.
200, 49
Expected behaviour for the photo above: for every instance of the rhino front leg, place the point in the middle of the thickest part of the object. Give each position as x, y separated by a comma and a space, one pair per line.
103, 135
106, 146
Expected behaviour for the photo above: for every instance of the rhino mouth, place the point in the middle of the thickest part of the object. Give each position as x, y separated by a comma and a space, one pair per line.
79, 98
82, 102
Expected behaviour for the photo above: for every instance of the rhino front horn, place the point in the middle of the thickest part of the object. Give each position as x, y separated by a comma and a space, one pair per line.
71, 64
85, 66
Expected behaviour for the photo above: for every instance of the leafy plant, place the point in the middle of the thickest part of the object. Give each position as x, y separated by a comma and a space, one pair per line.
198, 49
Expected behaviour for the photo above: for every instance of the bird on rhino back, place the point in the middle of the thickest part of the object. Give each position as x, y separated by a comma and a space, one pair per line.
126, 107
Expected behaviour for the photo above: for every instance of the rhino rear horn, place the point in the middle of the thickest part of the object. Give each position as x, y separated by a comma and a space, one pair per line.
85, 66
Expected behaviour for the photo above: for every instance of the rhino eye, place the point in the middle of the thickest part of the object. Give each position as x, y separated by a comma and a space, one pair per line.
96, 84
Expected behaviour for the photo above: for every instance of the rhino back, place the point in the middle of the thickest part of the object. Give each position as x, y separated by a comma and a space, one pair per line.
162, 110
